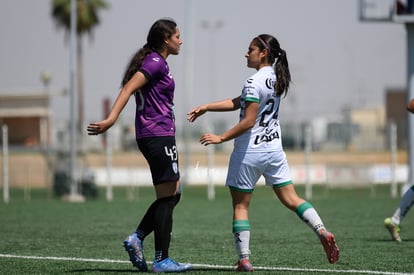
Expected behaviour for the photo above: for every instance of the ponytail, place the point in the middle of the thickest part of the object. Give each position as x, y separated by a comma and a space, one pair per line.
281, 66
135, 63
282, 72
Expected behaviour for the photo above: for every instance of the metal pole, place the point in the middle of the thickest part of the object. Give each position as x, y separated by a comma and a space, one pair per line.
188, 86
5, 164
109, 193
393, 150
211, 28
308, 152
73, 100
211, 194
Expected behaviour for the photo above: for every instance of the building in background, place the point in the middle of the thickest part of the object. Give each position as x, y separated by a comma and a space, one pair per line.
28, 118
395, 104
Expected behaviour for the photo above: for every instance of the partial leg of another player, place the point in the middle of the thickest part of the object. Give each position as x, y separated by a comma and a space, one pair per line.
393, 223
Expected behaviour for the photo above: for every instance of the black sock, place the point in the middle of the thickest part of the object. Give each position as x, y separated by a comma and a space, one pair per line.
163, 225
146, 226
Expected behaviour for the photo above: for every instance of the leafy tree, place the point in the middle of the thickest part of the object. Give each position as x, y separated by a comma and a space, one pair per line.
87, 20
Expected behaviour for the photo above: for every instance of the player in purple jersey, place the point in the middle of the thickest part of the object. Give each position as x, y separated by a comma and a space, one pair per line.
148, 77
154, 112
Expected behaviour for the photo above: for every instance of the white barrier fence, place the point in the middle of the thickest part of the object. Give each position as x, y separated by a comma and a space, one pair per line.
319, 174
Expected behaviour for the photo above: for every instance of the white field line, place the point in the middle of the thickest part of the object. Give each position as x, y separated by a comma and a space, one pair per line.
208, 266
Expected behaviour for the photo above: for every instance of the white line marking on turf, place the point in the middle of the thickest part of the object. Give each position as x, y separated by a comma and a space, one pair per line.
62, 259
208, 266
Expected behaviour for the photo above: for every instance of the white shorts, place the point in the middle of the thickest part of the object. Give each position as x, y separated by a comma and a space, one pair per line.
245, 170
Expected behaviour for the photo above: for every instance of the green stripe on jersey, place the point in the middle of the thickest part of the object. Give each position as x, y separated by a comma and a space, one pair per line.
251, 99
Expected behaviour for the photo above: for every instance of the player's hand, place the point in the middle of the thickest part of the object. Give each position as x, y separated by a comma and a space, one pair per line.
410, 106
195, 113
207, 139
97, 128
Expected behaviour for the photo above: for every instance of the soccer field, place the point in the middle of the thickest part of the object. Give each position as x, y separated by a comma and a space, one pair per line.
48, 236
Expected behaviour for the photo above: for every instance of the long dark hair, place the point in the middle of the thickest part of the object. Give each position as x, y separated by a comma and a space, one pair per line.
281, 67
159, 31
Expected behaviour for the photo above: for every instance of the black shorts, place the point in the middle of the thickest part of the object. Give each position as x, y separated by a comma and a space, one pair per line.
162, 156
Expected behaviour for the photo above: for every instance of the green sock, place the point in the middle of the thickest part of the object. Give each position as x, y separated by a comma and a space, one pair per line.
308, 214
241, 234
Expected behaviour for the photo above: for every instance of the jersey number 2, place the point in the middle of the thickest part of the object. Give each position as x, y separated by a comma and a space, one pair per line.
270, 105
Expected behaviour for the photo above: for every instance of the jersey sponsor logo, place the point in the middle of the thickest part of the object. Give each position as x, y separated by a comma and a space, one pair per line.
156, 59
269, 83
266, 138
250, 80
270, 130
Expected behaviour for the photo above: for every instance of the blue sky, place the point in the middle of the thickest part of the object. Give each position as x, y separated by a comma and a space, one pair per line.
335, 60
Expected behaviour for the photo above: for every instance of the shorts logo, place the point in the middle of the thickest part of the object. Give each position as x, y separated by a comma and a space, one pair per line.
175, 167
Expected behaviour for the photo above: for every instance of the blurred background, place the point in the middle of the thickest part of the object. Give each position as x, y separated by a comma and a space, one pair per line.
343, 121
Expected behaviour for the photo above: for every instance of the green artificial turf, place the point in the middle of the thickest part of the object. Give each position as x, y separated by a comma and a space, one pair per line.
40, 234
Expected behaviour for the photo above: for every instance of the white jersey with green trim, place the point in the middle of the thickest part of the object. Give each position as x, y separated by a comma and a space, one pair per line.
265, 135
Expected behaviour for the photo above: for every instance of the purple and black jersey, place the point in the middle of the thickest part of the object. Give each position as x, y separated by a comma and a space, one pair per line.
154, 102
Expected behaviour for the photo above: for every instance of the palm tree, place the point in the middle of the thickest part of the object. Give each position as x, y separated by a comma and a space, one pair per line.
87, 19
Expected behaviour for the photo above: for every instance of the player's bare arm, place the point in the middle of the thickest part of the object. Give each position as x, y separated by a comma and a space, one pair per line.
218, 106
244, 125
136, 82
